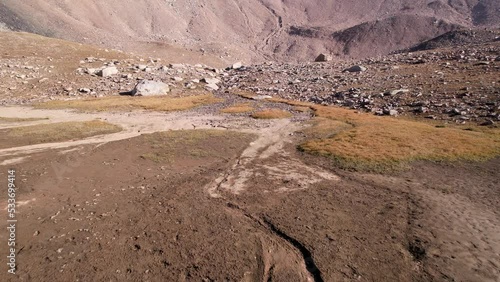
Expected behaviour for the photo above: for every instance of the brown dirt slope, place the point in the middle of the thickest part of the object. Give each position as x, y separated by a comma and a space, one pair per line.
250, 29
457, 38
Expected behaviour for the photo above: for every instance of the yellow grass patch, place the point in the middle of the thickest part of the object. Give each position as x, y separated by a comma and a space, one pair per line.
237, 109
364, 141
272, 114
127, 103
54, 132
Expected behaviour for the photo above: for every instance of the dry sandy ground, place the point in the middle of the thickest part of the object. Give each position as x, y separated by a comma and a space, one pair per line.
239, 203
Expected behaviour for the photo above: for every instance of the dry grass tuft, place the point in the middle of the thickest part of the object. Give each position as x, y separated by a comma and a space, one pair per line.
7, 119
364, 141
238, 109
127, 103
272, 114
54, 132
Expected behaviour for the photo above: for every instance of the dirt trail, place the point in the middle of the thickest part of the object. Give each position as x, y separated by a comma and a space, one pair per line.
266, 158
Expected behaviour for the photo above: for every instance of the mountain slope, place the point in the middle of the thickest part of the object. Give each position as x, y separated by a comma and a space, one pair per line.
253, 29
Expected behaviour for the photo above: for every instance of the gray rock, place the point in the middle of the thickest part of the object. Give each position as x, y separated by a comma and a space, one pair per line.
262, 97
109, 71
397, 91
150, 88
237, 65
390, 112
422, 109
488, 122
208, 80
355, 69
91, 71
177, 66
455, 111
212, 86
393, 112
323, 58
4, 27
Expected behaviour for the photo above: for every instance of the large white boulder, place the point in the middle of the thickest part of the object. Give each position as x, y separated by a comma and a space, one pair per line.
150, 88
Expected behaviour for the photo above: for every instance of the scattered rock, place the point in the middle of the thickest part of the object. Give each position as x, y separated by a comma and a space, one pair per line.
396, 92
177, 66
91, 71
488, 122
323, 58
212, 87
210, 80
84, 90
150, 88
356, 69
262, 97
109, 71
393, 112
422, 109
237, 65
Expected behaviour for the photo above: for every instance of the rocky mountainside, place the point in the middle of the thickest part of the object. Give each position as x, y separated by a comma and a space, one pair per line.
253, 30
453, 84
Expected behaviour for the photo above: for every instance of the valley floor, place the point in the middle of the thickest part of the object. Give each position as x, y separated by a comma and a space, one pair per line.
239, 203
389, 173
